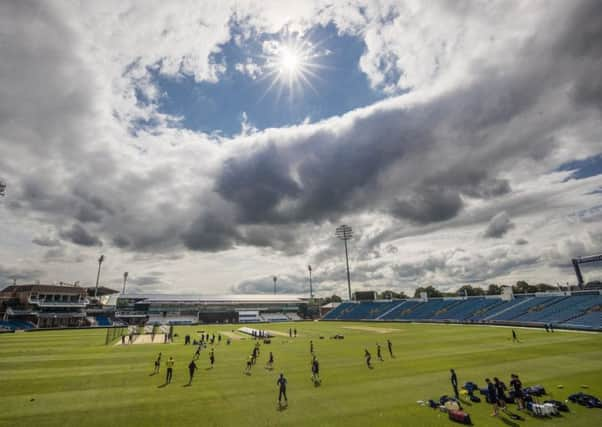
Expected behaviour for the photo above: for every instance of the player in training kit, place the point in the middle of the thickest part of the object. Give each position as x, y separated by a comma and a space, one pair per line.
191, 370
379, 353
368, 358
212, 357
315, 370
311, 347
249, 364
170, 363
157, 364
390, 346
270, 364
281, 389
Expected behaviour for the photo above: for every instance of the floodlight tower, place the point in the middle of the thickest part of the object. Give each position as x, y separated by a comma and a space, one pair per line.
100, 260
274, 278
311, 292
125, 279
344, 232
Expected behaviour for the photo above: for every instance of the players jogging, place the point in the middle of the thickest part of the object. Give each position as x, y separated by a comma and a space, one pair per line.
514, 337
281, 389
311, 347
390, 347
379, 353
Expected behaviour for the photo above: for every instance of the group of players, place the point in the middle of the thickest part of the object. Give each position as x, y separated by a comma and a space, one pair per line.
379, 353
207, 339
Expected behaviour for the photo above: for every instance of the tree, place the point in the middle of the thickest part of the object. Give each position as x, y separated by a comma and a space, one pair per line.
471, 291
333, 298
494, 289
544, 287
431, 292
523, 287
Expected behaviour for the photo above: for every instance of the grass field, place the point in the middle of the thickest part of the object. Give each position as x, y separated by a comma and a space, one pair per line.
70, 378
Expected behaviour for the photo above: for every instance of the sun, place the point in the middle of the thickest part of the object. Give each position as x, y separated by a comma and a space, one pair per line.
289, 61
292, 64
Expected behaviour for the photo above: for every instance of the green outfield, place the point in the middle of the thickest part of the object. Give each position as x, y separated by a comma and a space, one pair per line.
71, 378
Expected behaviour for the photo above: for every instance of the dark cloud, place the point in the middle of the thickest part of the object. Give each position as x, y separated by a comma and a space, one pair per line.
80, 236
499, 225
521, 242
9, 274
211, 233
427, 205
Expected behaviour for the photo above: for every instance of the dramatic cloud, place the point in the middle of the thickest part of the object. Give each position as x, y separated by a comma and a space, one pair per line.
80, 236
499, 226
488, 116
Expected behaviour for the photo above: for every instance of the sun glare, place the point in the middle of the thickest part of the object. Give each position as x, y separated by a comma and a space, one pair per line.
289, 61
291, 65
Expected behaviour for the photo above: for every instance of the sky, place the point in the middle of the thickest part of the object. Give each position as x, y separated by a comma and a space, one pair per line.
206, 147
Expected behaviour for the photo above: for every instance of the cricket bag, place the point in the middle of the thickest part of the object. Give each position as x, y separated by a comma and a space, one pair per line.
459, 416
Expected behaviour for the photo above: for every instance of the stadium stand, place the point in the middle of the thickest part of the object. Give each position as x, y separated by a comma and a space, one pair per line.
103, 321
274, 317
574, 311
14, 325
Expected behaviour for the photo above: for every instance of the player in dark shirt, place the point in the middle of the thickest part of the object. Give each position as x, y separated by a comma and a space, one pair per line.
157, 364
311, 347
517, 388
212, 357
379, 353
514, 337
191, 370
492, 396
281, 389
454, 383
315, 370
390, 346
500, 390
368, 357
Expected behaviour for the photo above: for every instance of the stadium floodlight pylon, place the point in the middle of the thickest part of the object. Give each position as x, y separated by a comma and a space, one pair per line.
311, 292
125, 279
100, 260
345, 232
275, 279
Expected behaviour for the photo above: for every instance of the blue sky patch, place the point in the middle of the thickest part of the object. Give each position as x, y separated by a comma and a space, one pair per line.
584, 168
338, 86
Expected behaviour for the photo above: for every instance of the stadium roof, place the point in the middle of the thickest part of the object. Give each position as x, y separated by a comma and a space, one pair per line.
254, 298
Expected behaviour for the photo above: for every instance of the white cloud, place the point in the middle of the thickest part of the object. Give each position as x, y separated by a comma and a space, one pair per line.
491, 112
